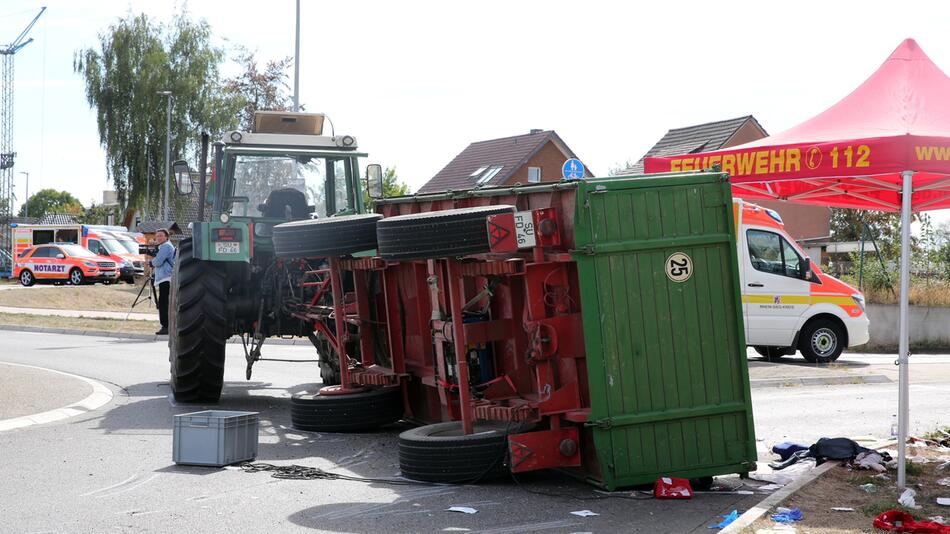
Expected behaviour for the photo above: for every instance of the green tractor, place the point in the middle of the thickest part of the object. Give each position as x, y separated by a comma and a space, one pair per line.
227, 279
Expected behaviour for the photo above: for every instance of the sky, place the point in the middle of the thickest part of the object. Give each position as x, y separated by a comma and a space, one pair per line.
416, 82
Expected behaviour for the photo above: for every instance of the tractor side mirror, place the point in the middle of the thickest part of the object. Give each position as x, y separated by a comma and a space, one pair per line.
374, 180
182, 177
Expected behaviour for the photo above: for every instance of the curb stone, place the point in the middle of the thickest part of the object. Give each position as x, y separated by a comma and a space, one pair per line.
818, 381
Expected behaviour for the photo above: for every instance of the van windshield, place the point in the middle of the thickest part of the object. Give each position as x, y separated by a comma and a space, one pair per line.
113, 246
130, 245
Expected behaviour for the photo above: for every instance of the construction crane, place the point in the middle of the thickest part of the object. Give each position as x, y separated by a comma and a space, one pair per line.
7, 154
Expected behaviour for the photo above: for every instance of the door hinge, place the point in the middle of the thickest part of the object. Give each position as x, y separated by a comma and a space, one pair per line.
603, 424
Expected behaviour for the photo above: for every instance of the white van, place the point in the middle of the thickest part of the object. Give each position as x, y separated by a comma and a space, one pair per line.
788, 303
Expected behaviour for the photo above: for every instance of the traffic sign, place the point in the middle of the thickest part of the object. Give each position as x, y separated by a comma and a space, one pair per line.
572, 169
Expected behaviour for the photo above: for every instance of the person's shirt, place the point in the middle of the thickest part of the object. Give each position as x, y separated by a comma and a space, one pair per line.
164, 262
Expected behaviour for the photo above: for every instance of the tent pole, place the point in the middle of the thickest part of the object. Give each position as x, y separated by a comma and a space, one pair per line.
903, 401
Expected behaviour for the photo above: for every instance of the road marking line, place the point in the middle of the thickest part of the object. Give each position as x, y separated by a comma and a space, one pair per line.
100, 396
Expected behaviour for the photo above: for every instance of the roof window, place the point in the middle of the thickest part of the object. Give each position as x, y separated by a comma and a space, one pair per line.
488, 174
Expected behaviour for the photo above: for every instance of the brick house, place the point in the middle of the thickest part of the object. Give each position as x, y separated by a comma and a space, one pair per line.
529, 158
803, 222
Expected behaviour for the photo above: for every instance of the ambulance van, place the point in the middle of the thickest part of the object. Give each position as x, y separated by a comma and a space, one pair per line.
788, 303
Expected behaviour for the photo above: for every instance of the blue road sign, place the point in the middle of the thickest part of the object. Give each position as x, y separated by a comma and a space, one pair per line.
572, 169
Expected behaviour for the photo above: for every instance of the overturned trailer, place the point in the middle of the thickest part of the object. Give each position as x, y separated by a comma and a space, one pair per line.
594, 326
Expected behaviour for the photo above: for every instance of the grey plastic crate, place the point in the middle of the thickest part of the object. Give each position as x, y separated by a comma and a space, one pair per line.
214, 437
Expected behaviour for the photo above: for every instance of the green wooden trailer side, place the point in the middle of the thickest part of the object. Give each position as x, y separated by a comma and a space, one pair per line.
663, 328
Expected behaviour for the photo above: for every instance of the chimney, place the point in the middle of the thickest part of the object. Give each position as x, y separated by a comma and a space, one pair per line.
535, 131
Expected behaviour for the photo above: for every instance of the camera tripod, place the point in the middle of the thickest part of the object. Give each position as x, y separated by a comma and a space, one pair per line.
150, 283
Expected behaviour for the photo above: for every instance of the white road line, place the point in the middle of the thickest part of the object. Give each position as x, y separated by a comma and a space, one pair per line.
100, 396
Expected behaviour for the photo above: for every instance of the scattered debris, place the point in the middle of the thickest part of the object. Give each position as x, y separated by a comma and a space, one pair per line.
770, 487
868, 488
907, 499
944, 481
943, 501
787, 515
463, 509
584, 513
841, 509
672, 488
899, 521
727, 520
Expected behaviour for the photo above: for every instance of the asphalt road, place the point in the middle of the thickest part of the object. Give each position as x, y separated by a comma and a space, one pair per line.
111, 470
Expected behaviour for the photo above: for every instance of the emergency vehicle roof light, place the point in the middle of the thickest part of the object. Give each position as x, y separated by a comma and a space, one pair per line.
774, 214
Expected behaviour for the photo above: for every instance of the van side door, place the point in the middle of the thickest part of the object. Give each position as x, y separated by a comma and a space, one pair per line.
774, 292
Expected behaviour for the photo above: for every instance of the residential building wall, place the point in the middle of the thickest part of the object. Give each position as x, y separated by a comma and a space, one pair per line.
549, 158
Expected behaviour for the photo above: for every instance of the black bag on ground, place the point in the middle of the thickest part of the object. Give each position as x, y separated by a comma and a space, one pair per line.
835, 449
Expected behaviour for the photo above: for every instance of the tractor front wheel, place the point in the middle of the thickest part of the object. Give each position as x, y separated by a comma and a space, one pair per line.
197, 327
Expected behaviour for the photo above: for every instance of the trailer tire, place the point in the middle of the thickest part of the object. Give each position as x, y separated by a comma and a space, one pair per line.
332, 236
441, 453
822, 341
197, 327
437, 234
352, 412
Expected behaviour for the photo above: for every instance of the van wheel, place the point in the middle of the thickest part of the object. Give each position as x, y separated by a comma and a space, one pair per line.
76, 277
821, 341
26, 278
773, 354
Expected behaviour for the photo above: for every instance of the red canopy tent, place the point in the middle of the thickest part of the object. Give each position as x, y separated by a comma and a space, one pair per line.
885, 146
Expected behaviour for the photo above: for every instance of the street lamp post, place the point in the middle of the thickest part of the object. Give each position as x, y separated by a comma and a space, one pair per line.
297, 62
166, 195
26, 201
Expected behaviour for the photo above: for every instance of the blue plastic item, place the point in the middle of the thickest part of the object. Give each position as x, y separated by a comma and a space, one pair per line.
790, 516
788, 448
727, 520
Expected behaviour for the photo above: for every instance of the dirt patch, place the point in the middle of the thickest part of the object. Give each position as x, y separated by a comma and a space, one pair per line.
116, 297
79, 323
840, 487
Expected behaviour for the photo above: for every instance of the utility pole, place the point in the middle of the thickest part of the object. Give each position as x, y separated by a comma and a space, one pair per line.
297, 63
166, 195
26, 201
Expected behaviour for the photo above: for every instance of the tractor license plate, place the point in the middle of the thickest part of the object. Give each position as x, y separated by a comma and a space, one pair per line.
524, 229
230, 247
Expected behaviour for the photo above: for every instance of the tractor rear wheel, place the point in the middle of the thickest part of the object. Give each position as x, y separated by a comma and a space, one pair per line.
197, 327
349, 412
437, 234
332, 236
442, 453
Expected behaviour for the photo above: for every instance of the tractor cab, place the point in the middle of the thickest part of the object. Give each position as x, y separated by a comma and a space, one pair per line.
284, 170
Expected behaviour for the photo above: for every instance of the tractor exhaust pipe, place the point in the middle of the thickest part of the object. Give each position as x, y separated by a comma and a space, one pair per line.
203, 183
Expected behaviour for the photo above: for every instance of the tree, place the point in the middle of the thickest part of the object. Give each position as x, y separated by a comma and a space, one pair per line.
884, 227
47, 201
98, 214
392, 187
259, 90
136, 58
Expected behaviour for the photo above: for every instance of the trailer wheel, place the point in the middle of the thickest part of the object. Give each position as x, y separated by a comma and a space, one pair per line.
332, 236
442, 453
821, 341
26, 278
437, 234
351, 412
197, 327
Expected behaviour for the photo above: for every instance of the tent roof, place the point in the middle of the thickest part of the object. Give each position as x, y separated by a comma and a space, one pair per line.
852, 154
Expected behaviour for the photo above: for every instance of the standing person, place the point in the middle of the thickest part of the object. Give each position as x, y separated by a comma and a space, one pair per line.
163, 262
